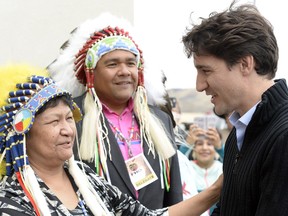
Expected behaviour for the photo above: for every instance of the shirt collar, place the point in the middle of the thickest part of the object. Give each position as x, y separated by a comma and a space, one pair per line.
245, 119
129, 108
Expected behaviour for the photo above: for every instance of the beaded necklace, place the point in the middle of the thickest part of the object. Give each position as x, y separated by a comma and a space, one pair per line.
128, 140
81, 203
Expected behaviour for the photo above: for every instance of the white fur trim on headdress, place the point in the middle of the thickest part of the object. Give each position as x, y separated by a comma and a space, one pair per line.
153, 82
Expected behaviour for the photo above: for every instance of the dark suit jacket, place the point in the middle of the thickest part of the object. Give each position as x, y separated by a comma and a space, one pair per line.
152, 196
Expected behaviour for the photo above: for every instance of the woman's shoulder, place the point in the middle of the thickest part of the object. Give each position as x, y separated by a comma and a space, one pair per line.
10, 184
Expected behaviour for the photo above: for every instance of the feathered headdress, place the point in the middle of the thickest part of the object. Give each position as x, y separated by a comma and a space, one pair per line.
10, 75
26, 94
66, 62
22, 95
74, 70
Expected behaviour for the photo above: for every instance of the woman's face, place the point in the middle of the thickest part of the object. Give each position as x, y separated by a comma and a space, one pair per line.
204, 152
51, 138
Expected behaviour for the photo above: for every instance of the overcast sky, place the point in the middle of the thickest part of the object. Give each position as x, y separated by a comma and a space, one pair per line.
162, 23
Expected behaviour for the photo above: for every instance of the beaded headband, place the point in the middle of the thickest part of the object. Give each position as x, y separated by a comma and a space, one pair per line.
19, 116
22, 120
107, 45
104, 46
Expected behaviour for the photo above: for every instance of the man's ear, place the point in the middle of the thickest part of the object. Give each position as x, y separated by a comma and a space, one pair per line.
247, 64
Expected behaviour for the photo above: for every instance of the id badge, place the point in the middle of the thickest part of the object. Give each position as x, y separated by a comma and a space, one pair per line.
140, 171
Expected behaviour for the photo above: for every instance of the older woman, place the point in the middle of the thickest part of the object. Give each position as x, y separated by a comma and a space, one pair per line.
42, 178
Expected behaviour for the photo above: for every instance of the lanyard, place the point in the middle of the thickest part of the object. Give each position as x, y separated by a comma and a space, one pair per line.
128, 140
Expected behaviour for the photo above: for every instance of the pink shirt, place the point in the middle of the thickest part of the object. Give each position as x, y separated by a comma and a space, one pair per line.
124, 124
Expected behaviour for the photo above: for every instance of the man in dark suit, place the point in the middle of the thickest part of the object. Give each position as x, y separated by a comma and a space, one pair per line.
103, 64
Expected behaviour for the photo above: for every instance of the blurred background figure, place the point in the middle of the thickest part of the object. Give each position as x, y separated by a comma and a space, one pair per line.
204, 148
212, 133
179, 127
172, 108
205, 163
